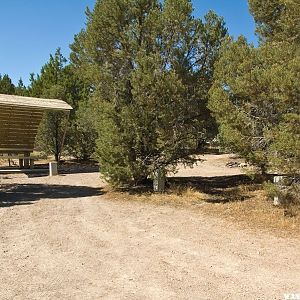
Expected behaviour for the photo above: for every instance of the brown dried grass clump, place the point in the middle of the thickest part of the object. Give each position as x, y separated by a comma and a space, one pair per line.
245, 205
258, 212
174, 196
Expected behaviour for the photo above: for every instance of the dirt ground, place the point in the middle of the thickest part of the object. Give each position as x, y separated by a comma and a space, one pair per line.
64, 238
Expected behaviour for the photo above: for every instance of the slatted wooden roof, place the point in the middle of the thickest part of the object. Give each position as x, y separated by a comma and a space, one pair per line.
20, 118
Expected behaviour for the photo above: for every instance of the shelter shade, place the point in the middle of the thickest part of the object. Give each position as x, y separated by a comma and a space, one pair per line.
20, 118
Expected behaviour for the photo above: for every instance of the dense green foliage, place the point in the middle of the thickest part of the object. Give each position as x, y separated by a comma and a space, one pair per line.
255, 95
150, 65
277, 20
21, 89
6, 85
82, 135
58, 80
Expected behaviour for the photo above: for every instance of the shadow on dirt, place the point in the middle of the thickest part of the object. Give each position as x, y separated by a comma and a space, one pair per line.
64, 167
23, 194
219, 189
211, 185
74, 167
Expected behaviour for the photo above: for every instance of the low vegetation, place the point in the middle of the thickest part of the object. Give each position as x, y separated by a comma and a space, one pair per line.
246, 205
152, 86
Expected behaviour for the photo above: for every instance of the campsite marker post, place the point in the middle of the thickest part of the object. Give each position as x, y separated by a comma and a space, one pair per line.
53, 171
277, 180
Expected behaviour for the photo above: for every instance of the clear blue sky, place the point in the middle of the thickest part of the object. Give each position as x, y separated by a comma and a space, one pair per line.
32, 29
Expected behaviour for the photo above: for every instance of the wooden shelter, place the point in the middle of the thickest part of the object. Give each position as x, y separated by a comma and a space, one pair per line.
20, 118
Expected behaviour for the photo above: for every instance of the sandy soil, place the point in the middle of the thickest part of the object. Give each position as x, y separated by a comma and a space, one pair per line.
211, 165
63, 238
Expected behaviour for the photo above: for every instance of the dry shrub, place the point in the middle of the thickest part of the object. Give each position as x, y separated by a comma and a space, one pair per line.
288, 192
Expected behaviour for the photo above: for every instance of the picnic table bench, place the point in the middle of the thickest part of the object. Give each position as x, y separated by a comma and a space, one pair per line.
25, 161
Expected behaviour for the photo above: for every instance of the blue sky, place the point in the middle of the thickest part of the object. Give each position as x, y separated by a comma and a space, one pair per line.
32, 29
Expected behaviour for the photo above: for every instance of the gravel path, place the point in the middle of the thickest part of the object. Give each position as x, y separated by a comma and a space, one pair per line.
62, 238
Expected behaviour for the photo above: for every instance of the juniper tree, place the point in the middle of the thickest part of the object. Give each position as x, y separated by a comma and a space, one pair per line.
150, 66
255, 95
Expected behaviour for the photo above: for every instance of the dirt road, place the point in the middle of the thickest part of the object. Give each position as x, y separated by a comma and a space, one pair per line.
62, 238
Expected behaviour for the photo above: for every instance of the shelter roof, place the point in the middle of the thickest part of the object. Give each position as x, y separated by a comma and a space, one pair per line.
20, 118
35, 103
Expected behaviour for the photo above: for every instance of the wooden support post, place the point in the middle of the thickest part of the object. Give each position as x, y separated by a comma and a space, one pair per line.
21, 163
64, 135
26, 160
31, 163
9, 162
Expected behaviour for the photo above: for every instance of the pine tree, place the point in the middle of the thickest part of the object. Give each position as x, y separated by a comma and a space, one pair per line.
58, 80
277, 20
6, 85
21, 89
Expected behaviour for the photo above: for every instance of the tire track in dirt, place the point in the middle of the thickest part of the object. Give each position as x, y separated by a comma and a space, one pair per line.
92, 248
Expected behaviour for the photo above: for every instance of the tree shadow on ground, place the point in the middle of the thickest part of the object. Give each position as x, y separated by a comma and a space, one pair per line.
219, 189
74, 167
71, 167
211, 185
42, 170
24, 194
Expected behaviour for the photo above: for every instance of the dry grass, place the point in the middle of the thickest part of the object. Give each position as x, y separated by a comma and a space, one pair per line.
245, 205
258, 212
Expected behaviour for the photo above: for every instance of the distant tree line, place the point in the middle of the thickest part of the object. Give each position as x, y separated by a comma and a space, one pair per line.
7, 86
151, 85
